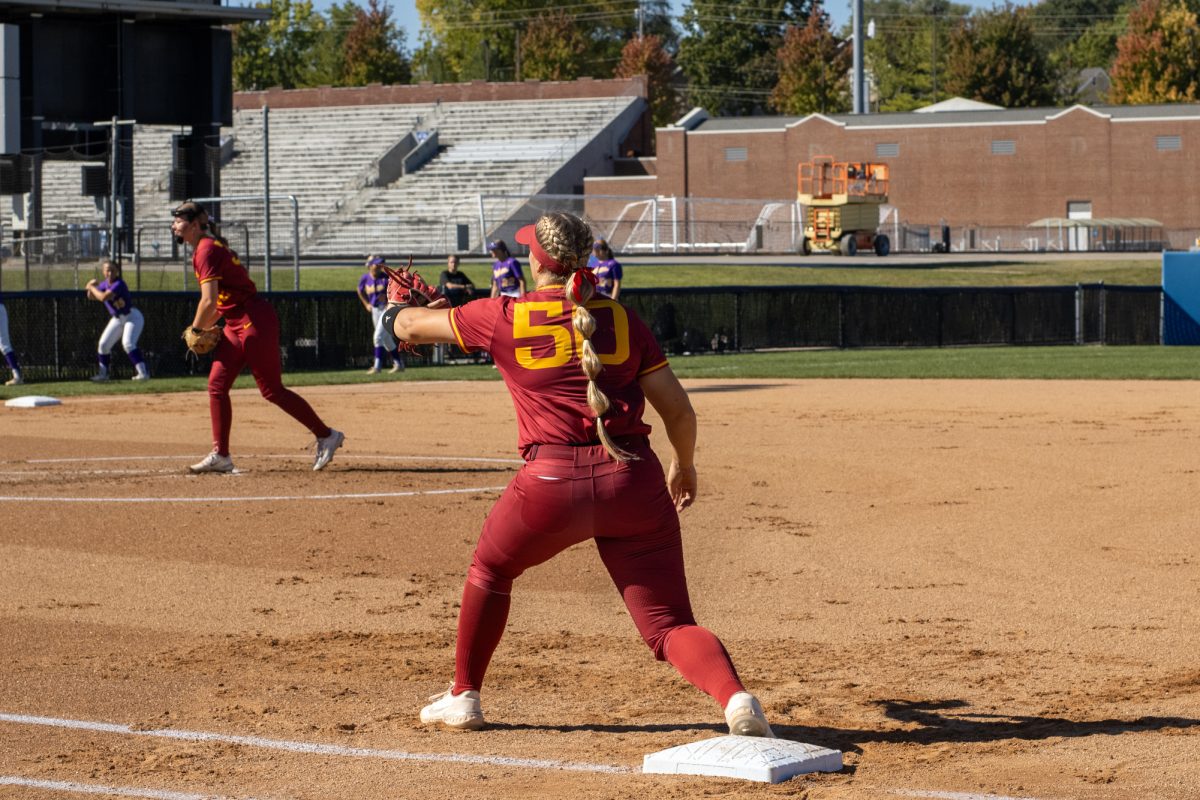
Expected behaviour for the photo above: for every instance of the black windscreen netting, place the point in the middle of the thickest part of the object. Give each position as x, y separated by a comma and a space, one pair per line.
55, 333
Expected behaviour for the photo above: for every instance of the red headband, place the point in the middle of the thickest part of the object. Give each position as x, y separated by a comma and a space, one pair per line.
528, 236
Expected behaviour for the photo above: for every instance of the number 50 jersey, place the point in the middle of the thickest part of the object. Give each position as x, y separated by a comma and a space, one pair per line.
537, 351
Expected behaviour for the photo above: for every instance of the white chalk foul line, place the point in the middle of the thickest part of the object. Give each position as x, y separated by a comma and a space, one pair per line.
246, 499
114, 791
936, 795
340, 457
314, 748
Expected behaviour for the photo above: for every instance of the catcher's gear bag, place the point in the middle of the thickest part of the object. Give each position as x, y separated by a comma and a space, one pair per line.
201, 340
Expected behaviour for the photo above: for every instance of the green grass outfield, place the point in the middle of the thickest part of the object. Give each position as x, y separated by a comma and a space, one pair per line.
937, 271
1052, 363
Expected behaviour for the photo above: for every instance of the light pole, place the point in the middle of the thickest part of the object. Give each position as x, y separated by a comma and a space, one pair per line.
114, 160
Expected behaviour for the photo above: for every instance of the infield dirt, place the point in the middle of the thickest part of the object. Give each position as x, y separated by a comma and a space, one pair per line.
968, 586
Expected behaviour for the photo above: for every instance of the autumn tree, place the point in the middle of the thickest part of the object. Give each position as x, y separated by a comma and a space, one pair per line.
374, 48
813, 70
552, 48
645, 55
1157, 58
727, 51
994, 57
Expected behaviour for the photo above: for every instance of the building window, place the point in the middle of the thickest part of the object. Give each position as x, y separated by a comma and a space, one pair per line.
1079, 209
1168, 142
735, 154
887, 149
1004, 147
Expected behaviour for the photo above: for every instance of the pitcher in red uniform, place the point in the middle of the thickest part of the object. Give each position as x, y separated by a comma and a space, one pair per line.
580, 368
251, 337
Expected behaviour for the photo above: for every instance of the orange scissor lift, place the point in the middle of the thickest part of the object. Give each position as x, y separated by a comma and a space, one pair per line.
842, 201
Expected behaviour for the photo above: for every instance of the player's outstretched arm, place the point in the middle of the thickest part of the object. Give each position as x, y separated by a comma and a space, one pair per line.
670, 400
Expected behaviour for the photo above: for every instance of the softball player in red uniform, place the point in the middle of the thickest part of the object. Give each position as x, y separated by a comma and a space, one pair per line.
580, 371
251, 337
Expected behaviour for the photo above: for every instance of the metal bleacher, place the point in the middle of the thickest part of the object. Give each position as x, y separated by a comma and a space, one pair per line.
330, 159
510, 148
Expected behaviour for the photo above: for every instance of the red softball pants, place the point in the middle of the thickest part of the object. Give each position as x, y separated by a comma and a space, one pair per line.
566, 495
252, 339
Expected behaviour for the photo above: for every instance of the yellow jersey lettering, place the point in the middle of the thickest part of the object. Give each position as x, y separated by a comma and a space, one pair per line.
523, 328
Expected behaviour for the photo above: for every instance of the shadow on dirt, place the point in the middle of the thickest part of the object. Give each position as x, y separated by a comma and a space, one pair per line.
960, 725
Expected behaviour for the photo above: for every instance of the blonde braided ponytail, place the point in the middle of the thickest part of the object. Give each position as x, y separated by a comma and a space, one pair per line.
568, 239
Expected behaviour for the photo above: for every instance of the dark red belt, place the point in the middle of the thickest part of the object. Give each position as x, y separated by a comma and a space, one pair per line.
569, 450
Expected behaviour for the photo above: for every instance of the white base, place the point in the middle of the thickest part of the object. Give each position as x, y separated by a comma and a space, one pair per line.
750, 757
33, 401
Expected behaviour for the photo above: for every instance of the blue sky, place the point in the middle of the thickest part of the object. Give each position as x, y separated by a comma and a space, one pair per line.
839, 11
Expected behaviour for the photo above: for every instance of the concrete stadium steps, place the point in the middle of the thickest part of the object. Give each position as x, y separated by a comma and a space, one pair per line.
490, 149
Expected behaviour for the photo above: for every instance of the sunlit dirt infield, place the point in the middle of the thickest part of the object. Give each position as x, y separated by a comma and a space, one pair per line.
972, 588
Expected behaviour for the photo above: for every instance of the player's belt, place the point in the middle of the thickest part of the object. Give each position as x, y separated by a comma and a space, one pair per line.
570, 450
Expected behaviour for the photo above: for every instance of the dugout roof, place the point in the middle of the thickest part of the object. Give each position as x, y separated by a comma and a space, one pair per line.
176, 10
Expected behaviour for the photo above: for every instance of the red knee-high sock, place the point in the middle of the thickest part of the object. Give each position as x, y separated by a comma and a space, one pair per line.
221, 410
300, 410
481, 621
701, 659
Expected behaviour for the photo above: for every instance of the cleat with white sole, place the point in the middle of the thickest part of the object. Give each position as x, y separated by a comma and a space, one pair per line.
326, 446
744, 716
213, 462
462, 712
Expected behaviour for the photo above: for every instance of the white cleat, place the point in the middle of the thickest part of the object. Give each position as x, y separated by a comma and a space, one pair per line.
326, 448
140, 377
213, 462
101, 378
16, 380
744, 716
462, 712
397, 366
373, 371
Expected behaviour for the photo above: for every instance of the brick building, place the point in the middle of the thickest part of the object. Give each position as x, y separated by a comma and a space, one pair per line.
967, 168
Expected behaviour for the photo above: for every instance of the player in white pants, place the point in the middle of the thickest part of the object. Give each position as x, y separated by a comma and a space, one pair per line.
10, 355
125, 324
372, 293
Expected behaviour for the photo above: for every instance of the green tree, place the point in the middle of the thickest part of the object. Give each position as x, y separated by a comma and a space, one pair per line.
374, 48
1157, 58
994, 57
469, 39
813, 70
727, 51
278, 51
645, 55
906, 60
329, 53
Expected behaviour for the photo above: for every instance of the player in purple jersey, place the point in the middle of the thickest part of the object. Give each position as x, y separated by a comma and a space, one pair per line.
10, 355
125, 322
608, 270
372, 293
507, 278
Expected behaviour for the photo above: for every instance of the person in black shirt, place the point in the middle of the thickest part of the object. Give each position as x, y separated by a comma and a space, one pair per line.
455, 284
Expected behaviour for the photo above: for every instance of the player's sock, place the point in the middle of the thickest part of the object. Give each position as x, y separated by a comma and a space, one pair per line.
13, 363
481, 620
105, 360
135, 355
379, 351
221, 409
701, 659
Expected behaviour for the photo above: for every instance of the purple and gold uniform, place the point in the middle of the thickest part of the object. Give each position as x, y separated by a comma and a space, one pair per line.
251, 338
607, 271
121, 302
374, 289
571, 490
507, 276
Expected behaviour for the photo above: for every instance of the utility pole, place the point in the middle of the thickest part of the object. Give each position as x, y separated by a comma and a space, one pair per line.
114, 161
641, 16
860, 100
266, 135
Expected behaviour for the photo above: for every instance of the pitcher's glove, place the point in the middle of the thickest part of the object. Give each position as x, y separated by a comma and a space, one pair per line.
406, 287
201, 340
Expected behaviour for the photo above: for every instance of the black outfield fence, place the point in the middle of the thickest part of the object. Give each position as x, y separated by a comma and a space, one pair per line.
55, 333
